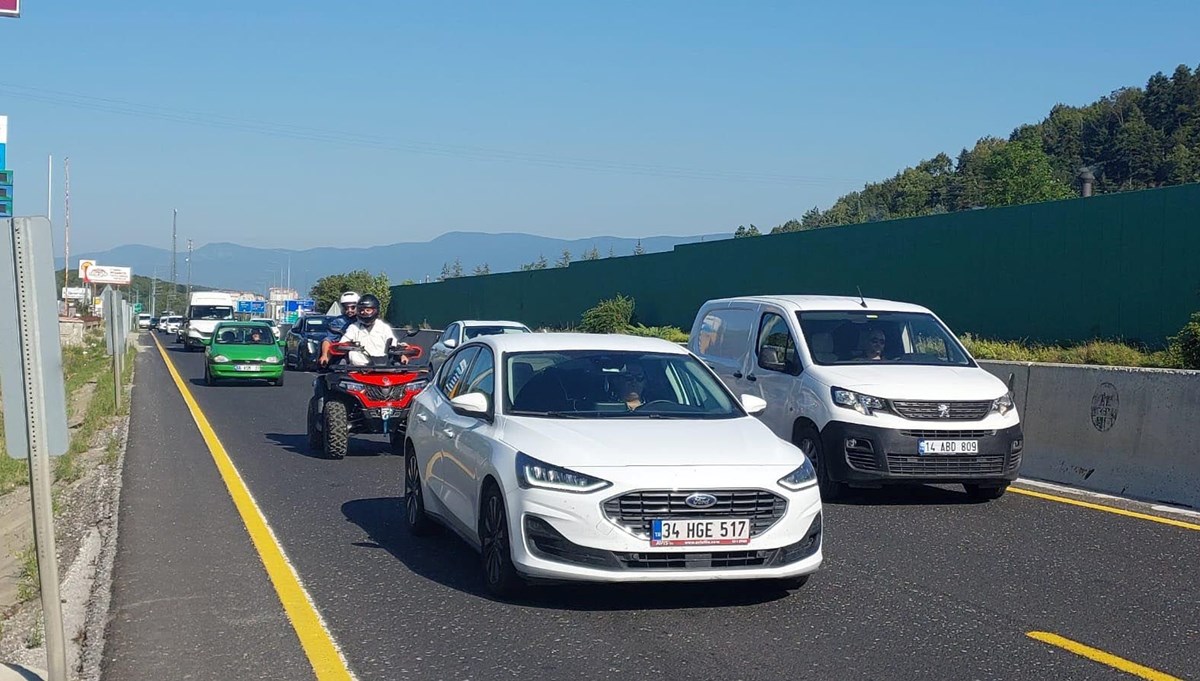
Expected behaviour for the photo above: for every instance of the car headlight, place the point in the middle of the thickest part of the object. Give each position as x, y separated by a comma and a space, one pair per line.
272, 360
863, 404
220, 359
1003, 404
534, 473
802, 477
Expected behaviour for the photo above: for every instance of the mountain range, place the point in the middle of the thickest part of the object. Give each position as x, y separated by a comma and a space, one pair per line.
245, 268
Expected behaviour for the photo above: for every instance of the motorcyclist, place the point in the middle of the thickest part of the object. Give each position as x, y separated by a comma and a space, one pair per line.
372, 335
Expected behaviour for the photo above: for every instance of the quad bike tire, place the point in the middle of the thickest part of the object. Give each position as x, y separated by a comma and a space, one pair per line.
336, 436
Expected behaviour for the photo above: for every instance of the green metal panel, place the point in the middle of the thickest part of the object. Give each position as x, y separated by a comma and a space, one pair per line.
1114, 266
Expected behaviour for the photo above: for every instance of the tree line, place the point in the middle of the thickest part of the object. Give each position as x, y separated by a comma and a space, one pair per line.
1133, 138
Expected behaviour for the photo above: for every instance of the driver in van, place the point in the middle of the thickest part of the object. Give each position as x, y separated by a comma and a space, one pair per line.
876, 342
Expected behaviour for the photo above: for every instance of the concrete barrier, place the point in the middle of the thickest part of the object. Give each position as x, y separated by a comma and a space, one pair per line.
73, 330
1132, 432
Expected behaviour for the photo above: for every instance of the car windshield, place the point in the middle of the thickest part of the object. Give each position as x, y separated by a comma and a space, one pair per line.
245, 335
316, 324
866, 337
477, 331
612, 384
212, 312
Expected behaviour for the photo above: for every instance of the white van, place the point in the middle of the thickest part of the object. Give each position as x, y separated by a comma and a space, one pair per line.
205, 310
876, 392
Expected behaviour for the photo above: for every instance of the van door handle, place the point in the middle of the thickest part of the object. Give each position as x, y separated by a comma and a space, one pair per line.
737, 374
422, 416
448, 432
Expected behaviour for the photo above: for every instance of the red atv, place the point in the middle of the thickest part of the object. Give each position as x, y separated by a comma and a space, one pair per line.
371, 399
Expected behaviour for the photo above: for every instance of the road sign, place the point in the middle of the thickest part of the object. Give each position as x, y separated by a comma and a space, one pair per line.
255, 307
299, 305
137, 308
6, 181
10, 8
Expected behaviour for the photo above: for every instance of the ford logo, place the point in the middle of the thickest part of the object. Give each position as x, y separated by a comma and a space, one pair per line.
701, 500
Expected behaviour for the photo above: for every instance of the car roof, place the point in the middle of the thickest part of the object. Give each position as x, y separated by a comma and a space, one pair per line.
533, 342
825, 303
489, 322
252, 322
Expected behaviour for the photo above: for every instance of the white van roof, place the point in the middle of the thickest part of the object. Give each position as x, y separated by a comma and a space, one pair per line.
829, 303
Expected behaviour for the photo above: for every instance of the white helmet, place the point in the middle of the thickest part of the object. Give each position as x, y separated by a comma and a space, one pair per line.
349, 297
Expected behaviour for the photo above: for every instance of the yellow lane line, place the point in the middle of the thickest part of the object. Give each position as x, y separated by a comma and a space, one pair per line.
327, 661
1107, 509
1097, 655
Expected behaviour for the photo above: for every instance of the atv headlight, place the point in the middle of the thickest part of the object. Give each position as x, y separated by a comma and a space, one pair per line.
220, 359
415, 386
804, 476
534, 473
352, 386
863, 404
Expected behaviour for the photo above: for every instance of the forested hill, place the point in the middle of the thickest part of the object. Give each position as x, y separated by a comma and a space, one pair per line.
1135, 138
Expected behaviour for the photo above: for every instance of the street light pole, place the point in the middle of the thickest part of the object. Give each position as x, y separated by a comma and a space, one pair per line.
189, 274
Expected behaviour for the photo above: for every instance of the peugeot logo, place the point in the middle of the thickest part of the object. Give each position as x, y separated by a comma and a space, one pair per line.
943, 411
701, 500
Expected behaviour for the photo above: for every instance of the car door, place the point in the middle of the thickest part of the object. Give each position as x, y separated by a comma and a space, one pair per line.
292, 348
471, 439
775, 370
443, 422
723, 339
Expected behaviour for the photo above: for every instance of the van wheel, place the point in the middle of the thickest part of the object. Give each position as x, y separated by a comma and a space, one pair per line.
985, 492
809, 442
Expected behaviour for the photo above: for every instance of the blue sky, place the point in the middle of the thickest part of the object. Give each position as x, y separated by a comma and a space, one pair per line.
359, 123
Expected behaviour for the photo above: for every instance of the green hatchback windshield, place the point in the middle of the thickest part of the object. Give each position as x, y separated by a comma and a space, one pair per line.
245, 335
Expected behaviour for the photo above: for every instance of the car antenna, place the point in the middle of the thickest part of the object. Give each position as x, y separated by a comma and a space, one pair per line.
861, 301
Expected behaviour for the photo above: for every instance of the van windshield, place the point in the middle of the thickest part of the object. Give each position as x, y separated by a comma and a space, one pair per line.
866, 337
211, 312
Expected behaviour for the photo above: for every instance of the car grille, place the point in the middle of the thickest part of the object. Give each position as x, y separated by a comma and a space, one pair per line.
930, 411
949, 434
947, 465
636, 511
683, 561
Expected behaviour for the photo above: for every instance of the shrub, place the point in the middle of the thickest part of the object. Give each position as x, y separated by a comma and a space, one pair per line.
1185, 345
670, 333
608, 316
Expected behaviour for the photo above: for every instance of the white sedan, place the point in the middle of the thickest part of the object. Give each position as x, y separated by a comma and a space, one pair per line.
606, 458
461, 331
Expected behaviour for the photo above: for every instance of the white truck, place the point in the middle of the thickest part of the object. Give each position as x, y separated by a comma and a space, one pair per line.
205, 310
875, 392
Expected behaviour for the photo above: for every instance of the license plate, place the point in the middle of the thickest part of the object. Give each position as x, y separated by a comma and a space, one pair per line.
247, 367
700, 532
948, 446
387, 413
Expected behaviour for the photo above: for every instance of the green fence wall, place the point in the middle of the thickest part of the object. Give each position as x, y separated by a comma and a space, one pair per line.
1115, 266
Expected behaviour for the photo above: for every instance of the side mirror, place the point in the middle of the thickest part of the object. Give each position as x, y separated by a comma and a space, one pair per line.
471, 404
450, 343
283, 342
753, 404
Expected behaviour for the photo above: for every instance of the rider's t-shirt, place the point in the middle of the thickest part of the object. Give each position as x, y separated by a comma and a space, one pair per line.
374, 341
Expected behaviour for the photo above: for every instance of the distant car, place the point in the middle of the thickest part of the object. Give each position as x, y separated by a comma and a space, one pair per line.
234, 352
171, 324
143, 321
462, 331
302, 345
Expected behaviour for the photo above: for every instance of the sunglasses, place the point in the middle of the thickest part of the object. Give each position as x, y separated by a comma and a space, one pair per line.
878, 340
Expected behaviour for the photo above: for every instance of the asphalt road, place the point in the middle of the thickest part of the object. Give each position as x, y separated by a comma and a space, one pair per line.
917, 584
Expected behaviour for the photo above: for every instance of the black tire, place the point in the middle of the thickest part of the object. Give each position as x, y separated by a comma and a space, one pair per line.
985, 492
208, 377
315, 441
336, 437
277, 381
809, 442
500, 576
418, 522
793, 583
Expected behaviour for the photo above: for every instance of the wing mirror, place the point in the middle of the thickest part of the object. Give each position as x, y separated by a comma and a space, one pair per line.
753, 404
450, 343
471, 404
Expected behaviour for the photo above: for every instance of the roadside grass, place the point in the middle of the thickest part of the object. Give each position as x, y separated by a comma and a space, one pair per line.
1096, 352
28, 587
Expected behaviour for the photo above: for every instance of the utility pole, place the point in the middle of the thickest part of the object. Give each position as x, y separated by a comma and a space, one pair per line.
67, 223
189, 264
154, 293
174, 277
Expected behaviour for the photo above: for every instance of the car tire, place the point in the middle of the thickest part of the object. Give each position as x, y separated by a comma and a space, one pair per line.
985, 492
277, 381
500, 576
315, 441
208, 377
336, 437
809, 442
418, 522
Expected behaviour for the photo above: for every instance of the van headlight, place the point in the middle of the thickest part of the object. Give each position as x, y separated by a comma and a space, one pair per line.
863, 404
804, 476
534, 473
1003, 404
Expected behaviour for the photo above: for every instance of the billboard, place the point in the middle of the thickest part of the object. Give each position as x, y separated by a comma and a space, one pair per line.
105, 274
10, 8
74, 293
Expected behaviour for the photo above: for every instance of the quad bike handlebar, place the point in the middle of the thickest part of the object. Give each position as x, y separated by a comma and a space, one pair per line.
401, 350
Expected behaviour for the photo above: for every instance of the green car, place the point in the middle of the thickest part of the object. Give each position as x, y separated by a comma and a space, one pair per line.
243, 350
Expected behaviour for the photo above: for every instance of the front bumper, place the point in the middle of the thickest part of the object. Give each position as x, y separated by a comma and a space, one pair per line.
870, 455
570, 537
230, 371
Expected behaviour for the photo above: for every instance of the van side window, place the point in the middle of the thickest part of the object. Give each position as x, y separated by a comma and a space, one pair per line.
776, 347
723, 333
